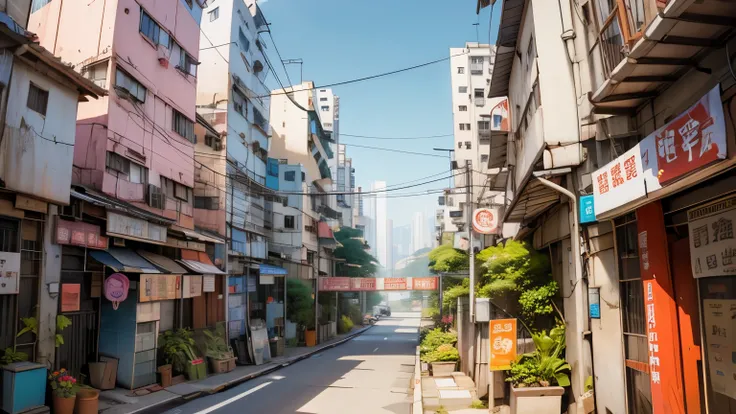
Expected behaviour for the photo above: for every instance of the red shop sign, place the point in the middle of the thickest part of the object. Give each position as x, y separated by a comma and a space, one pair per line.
80, 234
424, 283
394, 283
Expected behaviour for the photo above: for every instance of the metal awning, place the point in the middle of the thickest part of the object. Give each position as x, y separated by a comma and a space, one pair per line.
163, 262
197, 235
676, 41
123, 260
533, 197
499, 149
199, 263
266, 269
497, 179
508, 31
102, 200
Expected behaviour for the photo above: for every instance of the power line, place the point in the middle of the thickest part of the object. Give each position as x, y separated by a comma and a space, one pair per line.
396, 150
379, 75
396, 138
273, 42
215, 47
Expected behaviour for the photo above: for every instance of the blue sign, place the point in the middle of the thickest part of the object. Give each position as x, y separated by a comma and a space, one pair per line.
587, 209
595, 310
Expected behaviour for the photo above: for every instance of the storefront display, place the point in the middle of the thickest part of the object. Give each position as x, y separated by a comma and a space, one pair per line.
719, 320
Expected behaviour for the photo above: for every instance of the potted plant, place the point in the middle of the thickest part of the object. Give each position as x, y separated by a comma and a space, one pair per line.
64, 389
300, 309
443, 360
538, 377
178, 350
218, 352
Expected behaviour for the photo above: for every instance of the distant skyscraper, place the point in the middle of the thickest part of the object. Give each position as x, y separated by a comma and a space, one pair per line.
420, 238
389, 247
381, 221
402, 242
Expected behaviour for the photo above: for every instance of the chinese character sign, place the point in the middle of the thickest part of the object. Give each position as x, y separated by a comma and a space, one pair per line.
692, 140
712, 243
485, 221
719, 328
619, 182
587, 209
503, 344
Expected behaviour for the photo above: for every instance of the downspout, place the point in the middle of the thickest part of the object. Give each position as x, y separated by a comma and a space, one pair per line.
580, 317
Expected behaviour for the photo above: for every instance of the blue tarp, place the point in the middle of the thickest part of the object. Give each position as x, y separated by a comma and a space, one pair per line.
123, 260
272, 270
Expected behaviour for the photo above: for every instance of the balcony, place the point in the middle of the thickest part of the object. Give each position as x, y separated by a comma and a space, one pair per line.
480, 101
646, 45
476, 68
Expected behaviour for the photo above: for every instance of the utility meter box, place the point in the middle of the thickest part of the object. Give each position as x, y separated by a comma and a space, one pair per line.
482, 310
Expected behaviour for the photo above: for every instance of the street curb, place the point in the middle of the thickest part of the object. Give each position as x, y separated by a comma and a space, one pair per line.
194, 396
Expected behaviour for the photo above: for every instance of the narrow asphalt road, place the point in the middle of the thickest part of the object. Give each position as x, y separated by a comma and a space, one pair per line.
369, 374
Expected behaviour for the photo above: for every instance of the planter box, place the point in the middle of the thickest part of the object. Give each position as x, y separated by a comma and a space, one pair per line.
221, 366
443, 369
196, 370
536, 400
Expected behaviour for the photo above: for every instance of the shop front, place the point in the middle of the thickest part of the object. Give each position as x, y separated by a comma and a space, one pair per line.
671, 200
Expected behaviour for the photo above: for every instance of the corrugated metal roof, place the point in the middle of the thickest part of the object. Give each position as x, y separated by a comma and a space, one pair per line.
163, 262
201, 268
132, 260
508, 32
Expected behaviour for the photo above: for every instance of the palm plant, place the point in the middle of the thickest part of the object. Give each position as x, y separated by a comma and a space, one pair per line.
177, 348
546, 365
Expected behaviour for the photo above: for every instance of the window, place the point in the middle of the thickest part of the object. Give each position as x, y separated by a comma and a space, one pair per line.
467, 145
131, 86
325, 108
137, 173
213, 142
187, 64
183, 126
214, 14
206, 203
530, 53
290, 176
259, 119
304, 176
467, 127
480, 99
97, 73
182, 192
38, 99
462, 127
497, 119
243, 41
484, 125
460, 144
117, 163
38, 4
149, 27
476, 65
484, 158
240, 104
310, 257
463, 108
462, 89
460, 70
289, 222
323, 99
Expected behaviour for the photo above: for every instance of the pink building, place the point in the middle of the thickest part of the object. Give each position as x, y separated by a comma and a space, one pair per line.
137, 143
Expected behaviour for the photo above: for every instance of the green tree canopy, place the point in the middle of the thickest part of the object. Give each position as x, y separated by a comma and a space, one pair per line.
353, 250
446, 258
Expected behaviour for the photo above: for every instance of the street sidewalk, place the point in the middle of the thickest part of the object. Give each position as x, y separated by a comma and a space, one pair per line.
119, 401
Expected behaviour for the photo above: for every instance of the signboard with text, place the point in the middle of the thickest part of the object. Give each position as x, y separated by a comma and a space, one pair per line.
362, 284
503, 344
9, 273
159, 287
78, 233
712, 249
485, 220
694, 139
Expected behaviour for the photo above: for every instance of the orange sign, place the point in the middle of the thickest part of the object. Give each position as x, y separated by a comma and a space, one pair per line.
503, 344
424, 283
70, 295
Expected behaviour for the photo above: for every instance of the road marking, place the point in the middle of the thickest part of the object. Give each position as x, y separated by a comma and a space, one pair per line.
233, 399
385, 338
375, 349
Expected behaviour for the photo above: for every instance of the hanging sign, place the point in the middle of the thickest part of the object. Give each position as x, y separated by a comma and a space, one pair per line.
160, 287
587, 209
78, 233
9, 273
424, 283
503, 344
485, 220
712, 248
208, 283
334, 284
116, 287
691, 141
394, 283
70, 296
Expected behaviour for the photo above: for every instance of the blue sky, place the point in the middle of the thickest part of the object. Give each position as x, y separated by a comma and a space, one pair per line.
346, 39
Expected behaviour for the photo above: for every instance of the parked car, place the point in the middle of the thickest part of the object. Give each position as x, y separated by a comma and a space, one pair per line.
384, 310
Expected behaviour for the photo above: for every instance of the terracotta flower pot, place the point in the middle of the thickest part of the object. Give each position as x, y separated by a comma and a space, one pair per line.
64, 405
165, 373
88, 401
310, 337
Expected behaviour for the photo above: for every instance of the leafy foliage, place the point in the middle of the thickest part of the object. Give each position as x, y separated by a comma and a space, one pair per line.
515, 269
62, 322
446, 258
62, 384
443, 353
177, 348
430, 312
12, 356
546, 365
450, 295
344, 325
216, 343
299, 303
435, 338
353, 250
30, 324
478, 404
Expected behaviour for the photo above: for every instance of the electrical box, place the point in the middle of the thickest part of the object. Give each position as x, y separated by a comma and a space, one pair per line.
482, 310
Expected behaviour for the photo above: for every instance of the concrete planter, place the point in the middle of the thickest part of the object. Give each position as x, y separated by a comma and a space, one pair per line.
443, 369
536, 400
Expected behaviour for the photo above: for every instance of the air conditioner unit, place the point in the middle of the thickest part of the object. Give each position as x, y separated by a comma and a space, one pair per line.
156, 198
73, 210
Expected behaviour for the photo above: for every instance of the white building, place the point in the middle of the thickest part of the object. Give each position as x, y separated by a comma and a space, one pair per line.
420, 237
376, 230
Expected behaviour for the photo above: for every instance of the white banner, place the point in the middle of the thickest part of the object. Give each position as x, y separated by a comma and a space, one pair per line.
9, 273
712, 247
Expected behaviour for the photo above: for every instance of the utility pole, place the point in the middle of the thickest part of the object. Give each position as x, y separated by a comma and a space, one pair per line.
469, 224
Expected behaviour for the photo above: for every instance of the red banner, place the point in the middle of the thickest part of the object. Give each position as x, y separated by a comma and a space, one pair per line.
78, 233
424, 283
363, 283
394, 283
334, 284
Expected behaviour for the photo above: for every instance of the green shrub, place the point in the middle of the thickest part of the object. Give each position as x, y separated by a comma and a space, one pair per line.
478, 404
355, 315
430, 312
344, 325
545, 366
435, 338
444, 353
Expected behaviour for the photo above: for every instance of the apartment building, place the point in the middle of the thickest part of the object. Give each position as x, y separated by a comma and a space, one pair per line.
620, 134
38, 111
